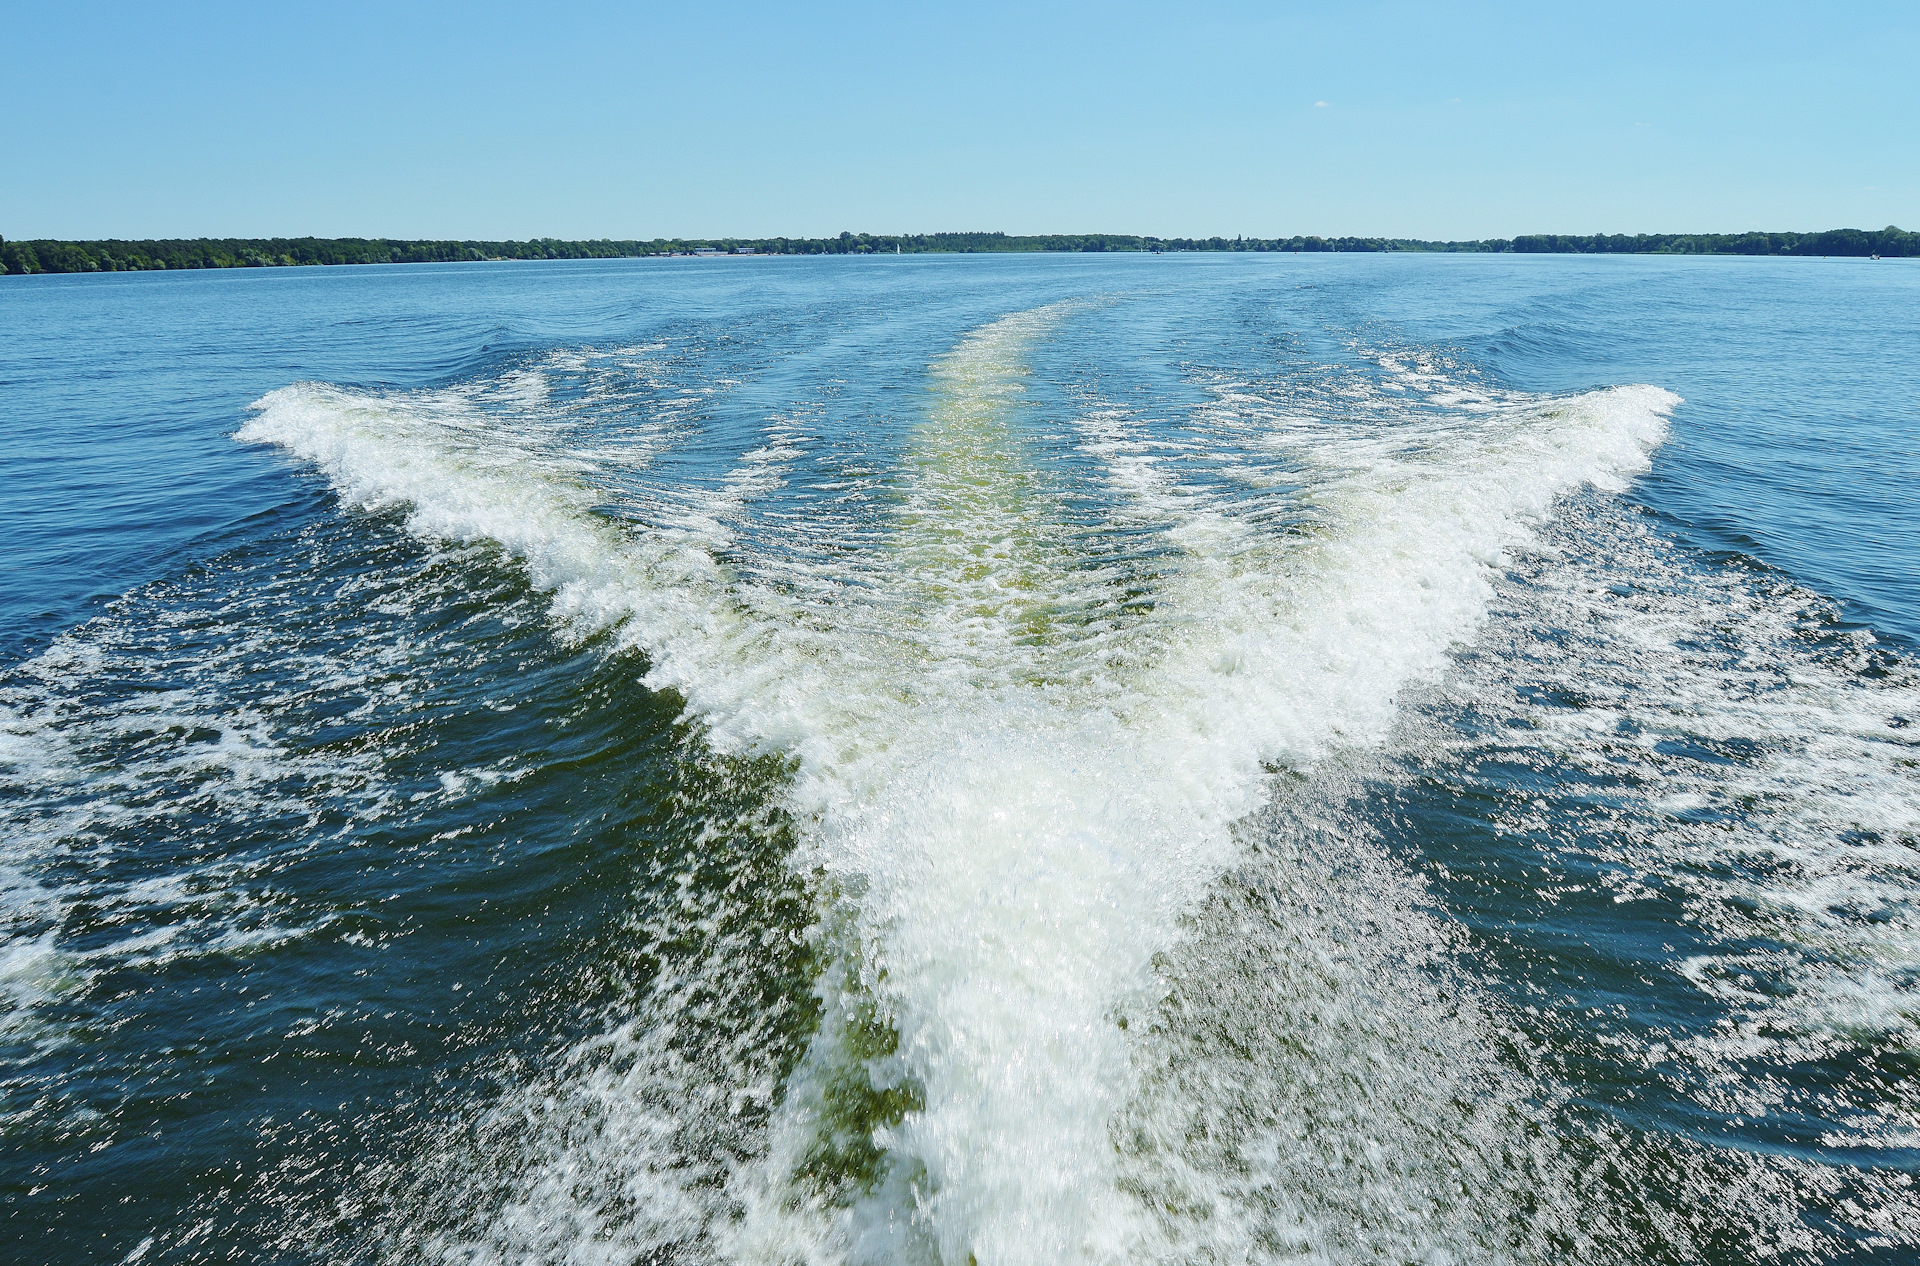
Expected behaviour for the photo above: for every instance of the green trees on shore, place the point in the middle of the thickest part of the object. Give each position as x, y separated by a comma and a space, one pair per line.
1888, 241
47, 256
123, 256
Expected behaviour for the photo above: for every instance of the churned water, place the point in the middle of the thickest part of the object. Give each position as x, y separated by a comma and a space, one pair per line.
965, 760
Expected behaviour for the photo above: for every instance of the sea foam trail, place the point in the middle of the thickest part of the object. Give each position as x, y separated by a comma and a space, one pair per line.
1721, 735
1011, 795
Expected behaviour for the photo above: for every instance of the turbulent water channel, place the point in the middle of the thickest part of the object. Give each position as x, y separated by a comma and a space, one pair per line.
977, 763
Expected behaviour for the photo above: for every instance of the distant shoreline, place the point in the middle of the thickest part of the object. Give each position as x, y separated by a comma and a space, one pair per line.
115, 255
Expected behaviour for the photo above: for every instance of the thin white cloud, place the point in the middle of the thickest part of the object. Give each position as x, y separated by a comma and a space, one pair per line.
1319, 105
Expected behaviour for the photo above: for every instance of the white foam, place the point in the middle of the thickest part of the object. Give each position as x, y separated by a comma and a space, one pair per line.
142, 747
1011, 794
1750, 757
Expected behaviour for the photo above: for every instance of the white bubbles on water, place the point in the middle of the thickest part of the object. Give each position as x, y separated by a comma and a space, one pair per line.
1016, 765
1717, 733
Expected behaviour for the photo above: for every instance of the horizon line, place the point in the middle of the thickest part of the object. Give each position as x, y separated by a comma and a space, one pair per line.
56, 255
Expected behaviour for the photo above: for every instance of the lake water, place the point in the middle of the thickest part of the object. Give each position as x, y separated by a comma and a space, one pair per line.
998, 760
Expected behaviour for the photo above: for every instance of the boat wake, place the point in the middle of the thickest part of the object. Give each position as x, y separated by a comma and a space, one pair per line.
1041, 932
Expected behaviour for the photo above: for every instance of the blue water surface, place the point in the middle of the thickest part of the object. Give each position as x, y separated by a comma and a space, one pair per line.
318, 833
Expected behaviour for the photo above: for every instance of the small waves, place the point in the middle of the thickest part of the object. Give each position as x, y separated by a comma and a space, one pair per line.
1016, 762
947, 766
999, 805
1717, 733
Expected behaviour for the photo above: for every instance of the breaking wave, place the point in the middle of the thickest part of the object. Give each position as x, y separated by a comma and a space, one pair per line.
1026, 786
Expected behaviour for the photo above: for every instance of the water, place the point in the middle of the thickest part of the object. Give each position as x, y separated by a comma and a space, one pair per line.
996, 760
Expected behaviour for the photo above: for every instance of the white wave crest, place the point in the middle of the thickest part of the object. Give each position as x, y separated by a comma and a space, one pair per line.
1012, 788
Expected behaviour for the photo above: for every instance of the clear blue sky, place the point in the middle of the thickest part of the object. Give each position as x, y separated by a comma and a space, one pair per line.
643, 120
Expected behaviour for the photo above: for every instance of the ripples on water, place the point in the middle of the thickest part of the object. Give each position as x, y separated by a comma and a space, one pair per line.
997, 761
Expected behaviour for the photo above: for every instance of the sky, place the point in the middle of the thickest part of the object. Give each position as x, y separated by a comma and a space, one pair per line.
589, 120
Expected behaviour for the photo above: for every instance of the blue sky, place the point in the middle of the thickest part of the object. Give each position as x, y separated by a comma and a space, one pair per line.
604, 120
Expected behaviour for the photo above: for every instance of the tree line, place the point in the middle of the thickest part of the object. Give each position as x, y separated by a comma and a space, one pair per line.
114, 255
